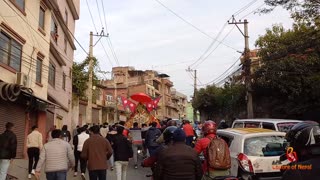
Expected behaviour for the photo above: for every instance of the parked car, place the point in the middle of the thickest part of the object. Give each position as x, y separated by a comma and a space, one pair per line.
282, 125
254, 152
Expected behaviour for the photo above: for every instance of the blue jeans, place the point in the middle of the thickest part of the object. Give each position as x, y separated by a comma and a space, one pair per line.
4, 166
58, 175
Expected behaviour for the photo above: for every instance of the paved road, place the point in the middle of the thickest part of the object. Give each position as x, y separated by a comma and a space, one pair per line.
19, 168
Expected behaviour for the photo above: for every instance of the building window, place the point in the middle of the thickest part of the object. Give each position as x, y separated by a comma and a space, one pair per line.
39, 70
19, 4
64, 81
65, 45
66, 17
109, 98
10, 52
52, 74
54, 30
41, 17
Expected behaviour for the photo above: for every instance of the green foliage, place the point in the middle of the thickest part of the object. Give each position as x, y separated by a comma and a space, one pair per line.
80, 76
301, 10
290, 75
220, 101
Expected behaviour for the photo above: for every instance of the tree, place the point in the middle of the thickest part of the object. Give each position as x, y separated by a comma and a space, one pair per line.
80, 76
306, 10
290, 74
220, 102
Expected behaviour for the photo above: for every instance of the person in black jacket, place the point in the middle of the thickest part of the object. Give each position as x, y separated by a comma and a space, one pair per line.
152, 135
8, 149
122, 153
304, 139
178, 160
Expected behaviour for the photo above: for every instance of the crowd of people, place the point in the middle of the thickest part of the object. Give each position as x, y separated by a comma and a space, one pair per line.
170, 150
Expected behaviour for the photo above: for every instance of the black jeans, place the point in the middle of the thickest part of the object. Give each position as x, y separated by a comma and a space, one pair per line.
189, 140
83, 163
33, 154
98, 174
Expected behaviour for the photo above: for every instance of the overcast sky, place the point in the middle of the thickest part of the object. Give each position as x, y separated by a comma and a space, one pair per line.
146, 35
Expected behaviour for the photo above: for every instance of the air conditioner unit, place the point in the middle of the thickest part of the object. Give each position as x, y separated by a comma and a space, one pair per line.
22, 79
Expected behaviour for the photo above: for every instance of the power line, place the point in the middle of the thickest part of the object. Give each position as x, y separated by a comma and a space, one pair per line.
214, 80
99, 13
244, 8
94, 25
215, 47
253, 11
190, 24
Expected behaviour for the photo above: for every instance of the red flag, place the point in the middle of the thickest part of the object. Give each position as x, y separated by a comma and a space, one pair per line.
150, 106
156, 101
132, 106
125, 101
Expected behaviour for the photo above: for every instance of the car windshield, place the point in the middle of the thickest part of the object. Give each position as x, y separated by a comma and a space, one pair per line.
264, 146
285, 127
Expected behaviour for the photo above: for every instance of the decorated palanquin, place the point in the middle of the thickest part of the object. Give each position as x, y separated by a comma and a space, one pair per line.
140, 111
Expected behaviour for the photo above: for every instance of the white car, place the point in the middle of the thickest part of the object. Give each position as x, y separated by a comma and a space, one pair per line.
255, 152
282, 125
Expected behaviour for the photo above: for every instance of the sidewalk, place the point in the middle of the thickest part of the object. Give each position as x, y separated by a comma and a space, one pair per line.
19, 169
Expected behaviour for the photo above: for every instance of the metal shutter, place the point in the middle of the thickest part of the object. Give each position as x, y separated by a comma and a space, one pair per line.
10, 112
95, 116
50, 120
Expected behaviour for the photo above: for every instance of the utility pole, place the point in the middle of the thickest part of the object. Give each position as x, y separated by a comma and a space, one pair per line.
90, 71
246, 65
89, 90
115, 118
195, 118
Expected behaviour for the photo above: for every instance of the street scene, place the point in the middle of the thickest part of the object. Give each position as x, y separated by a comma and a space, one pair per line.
159, 89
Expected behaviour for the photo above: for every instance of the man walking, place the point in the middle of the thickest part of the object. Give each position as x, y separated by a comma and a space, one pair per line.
135, 134
57, 155
34, 144
122, 153
152, 135
78, 143
8, 149
188, 129
96, 150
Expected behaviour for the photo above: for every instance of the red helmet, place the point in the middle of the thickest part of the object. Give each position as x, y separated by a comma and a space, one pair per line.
209, 127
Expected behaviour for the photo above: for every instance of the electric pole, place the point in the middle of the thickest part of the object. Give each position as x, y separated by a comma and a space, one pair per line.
194, 92
90, 71
246, 65
89, 90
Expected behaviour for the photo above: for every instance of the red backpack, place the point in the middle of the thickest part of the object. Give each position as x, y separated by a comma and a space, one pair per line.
218, 154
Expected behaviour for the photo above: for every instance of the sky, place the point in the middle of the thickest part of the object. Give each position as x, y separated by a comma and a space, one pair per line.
146, 35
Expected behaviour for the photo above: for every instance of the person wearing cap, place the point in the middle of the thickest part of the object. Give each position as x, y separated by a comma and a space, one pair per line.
178, 161
34, 144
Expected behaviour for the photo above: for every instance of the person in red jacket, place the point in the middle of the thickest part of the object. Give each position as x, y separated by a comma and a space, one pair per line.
209, 130
188, 129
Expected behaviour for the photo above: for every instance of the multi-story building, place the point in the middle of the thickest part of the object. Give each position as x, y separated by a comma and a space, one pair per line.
30, 47
180, 102
62, 47
127, 81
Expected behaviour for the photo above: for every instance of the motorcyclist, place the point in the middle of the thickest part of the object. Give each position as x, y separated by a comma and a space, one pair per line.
304, 140
170, 122
209, 130
167, 137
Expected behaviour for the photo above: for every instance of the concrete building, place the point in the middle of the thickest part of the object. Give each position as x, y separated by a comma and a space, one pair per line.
62, 47
127, 81
180, 102
30, 46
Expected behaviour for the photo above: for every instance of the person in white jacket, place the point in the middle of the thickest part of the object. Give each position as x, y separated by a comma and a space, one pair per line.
34, 144
78, 142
